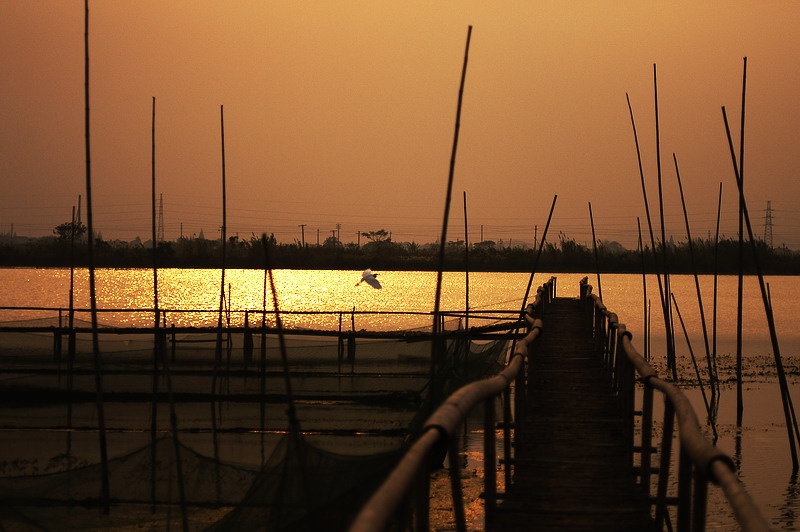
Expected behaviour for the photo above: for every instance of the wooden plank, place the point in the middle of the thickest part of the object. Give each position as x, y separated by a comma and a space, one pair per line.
572, 470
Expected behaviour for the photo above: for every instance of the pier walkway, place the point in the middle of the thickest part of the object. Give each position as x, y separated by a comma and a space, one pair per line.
581, 451
572, 469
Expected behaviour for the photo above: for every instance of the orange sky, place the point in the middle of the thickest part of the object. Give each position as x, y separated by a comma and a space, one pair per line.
343, 112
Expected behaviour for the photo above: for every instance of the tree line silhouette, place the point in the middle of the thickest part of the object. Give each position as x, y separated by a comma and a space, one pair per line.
380, 252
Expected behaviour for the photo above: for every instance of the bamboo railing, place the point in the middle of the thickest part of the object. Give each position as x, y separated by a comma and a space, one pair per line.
412, 474
699, 461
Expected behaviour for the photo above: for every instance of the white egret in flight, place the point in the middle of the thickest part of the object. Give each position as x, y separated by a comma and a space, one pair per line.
369, 278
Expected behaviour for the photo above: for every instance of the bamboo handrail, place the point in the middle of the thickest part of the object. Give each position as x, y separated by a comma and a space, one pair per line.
708, 461
441, 427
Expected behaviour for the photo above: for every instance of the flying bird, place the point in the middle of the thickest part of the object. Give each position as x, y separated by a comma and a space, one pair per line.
369, 278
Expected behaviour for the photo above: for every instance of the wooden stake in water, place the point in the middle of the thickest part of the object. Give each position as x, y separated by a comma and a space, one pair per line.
436, 363
776, 350
105, 490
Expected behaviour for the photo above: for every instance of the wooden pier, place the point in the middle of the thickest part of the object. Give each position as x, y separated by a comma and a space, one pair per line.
573, 469
583, 454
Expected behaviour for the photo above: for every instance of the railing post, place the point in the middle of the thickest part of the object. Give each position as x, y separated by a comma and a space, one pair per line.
455, 484
507, 437
684, 490
666, 452
519, 404
700, 500
423, 501
645, 466
489, 462
174, 341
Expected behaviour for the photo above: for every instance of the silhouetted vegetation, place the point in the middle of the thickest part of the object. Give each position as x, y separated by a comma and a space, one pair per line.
380, 252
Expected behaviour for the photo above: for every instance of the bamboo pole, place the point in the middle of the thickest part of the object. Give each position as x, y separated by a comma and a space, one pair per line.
716, 275
105, 490
158, 354
670, 333
71, 312
644, 290
538, 256
785, 396
436, 357
696, 368
697, 285
294, 422
740, 278
156, 317
664, 302
263, 364
466, 266
71, 338
596, 257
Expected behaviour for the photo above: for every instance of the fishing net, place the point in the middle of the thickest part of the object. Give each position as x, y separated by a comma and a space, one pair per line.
359, 401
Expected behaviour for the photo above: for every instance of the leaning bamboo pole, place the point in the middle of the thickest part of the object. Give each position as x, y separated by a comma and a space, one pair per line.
105, 490
709, 407
438, 354
644, 292
294, 422
716, 291
670, 333
776, 351
697, 285
664, 302
596, 257
740, 278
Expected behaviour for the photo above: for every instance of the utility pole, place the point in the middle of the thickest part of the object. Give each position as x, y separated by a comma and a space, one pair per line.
358, 235
160, 232
317, 236
535, 236
768, 225
181, 230
303, 235
481, 232
338, 233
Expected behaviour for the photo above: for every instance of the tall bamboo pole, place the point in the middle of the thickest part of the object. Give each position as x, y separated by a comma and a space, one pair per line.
716, 271
776, 351
105, 490
156, 317
661, 293
436, 356
644, 291
697, 286
466, 266
157, 352
596, 257
740, 278
671, 362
